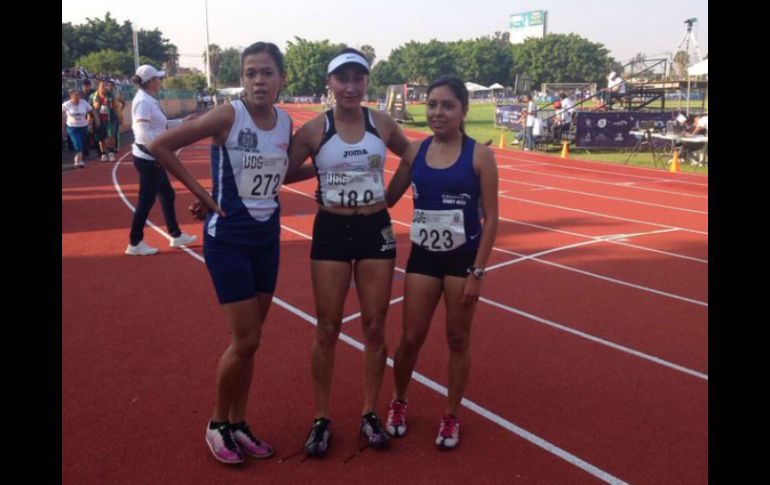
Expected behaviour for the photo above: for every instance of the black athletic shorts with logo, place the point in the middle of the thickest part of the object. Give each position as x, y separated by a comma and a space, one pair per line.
439, 264
339, 237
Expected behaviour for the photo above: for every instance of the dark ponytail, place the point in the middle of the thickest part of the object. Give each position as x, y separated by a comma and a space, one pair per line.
138, 81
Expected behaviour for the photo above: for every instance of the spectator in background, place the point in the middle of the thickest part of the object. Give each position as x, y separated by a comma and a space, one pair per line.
149, 121
102, 101
75, 121
700, 125
601, 106
616, 87
118, 107
565, 116
88, 142
528, 119
702, 128
695, 152
688, 123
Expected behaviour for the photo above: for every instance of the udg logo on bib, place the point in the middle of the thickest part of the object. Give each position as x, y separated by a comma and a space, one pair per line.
418, 217
252, 161
353, 153
247, 140
336, 178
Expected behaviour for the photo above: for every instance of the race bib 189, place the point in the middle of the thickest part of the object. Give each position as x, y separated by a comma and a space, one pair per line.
438, 230
261, 175
352, 189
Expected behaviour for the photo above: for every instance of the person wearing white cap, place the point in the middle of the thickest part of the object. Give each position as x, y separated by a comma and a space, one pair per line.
75, 111
149, 121
352, 235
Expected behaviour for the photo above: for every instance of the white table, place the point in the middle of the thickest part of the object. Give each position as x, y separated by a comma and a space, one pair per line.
683, 139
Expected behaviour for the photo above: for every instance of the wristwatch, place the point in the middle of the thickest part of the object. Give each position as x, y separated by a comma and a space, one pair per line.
477, 273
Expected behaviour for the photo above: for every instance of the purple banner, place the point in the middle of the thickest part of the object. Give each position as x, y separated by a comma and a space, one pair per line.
611, 129
508, 115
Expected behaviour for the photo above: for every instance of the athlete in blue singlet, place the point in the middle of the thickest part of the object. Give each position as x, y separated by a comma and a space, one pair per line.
454, 185
249, 162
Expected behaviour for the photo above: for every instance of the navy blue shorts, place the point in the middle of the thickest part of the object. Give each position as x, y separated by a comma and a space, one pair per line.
239, 272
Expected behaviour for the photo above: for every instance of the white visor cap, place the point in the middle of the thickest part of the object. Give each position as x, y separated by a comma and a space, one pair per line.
347, 58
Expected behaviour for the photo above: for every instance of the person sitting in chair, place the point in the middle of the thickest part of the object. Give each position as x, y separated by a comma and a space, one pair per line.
698, 151
700, 125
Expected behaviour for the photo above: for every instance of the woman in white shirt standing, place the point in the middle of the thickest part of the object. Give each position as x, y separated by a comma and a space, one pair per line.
148, 121
76, 111
528, 116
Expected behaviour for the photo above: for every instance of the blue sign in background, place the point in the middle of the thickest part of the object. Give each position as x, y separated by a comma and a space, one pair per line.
508, 115
611, 129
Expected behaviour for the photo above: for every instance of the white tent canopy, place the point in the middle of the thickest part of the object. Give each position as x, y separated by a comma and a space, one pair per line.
230, 91
699, 69
473, 87
497, 86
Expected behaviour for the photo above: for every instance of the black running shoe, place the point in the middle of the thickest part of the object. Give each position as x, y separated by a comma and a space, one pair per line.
371, 428
318, 440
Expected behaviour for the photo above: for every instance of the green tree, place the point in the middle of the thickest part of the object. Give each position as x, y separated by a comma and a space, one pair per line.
192, 82
502, 37
229, 67
306, 63
484, 60
563, 58
421, 63
108, 34
637, 62
369, 54
110, 62
215, 60
68, 54
172, 60
384, 73
681, 60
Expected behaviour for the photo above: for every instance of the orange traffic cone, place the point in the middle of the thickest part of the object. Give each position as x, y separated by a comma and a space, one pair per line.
565, 149
502, 140
675, 162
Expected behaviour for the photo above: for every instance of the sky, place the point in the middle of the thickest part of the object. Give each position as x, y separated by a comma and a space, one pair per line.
625, 27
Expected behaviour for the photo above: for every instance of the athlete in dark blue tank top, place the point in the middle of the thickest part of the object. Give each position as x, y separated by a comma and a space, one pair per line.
456, 192
452, 179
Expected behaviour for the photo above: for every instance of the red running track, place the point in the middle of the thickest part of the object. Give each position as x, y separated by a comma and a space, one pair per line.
589, 350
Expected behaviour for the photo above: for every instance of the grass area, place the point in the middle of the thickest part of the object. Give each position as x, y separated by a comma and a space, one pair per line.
680, 103
642, 159
480, 125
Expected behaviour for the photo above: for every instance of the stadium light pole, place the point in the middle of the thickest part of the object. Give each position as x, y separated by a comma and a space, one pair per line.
208, 65
135, 39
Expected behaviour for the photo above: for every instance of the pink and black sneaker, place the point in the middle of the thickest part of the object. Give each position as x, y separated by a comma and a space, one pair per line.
249, 444
396, 423
222, 444
448, 433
